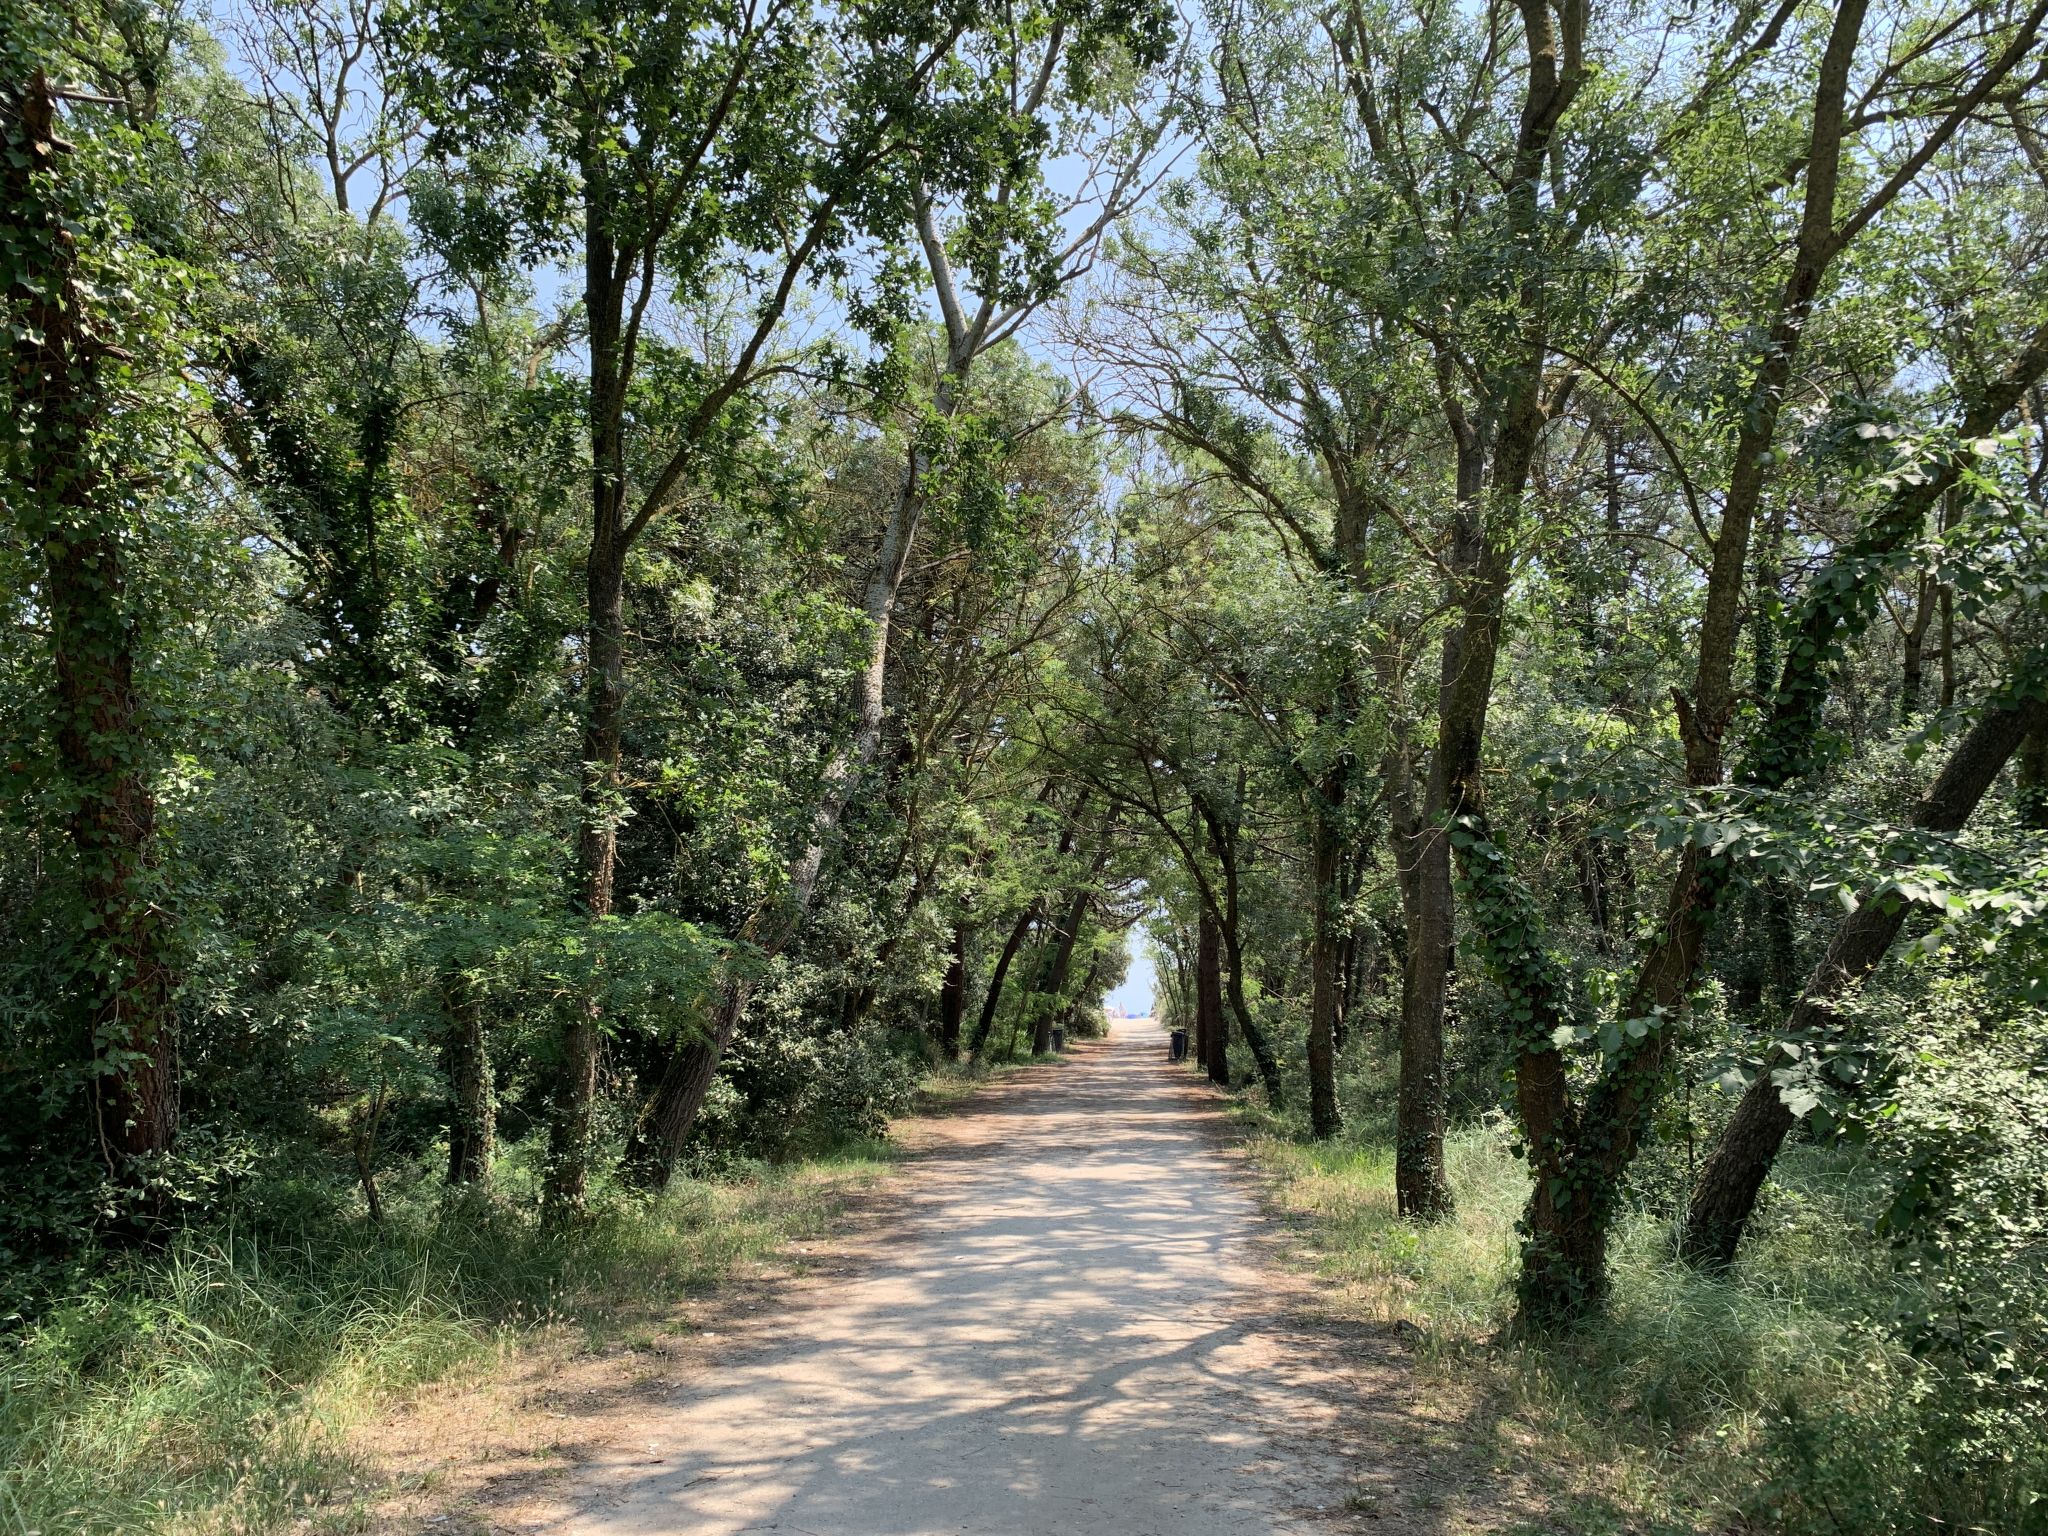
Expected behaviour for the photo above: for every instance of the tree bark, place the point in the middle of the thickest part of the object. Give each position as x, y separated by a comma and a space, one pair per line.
1209, 1048
1223, 843
1327, 937
604, 677
1053, 981
1579, 1159
992, 999
1725, 1195
64, 407
473, 1118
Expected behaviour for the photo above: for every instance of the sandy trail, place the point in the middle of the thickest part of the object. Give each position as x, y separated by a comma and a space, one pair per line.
1066, 1334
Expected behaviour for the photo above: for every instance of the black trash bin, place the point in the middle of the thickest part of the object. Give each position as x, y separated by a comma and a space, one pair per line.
1059, 1039
1179, 1047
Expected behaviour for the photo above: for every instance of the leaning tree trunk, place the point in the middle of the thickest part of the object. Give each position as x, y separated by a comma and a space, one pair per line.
1726, 1193
1254, 1037
1053, 982
992, 999
65, 408
687, 1076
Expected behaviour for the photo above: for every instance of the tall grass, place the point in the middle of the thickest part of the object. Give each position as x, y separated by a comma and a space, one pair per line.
208, 1386
1774, 1398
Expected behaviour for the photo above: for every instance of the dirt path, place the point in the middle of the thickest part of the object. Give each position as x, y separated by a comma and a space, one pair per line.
1065, 1333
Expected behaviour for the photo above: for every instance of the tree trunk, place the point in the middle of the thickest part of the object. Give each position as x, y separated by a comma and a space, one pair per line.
1223, 843
992, 998
1913, 682
953, 995
1422, 1189
665, 1124
2033, 781
1209, 1000
1061, 961
1579, 1159
1330, 926
1725, 1195
473, 1111
604, 683
1254, 1037
68, 425
656, 1145
1452, 790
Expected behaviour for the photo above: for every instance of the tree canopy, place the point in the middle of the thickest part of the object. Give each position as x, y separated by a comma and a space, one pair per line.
594, 587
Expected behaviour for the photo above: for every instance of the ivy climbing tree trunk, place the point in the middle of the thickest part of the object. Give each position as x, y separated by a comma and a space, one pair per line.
70, 382
1725, 1195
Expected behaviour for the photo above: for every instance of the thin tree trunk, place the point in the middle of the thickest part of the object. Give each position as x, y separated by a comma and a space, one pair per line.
688, 1075
993, 997
473, 1118
1046, 999
604, 682
1209, 999
953, 995
1578, 1160
1223, 843
1912, 684
1254, 1037
1330, 925
1452, 790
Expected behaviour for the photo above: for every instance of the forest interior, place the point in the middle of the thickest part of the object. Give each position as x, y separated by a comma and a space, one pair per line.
608, 599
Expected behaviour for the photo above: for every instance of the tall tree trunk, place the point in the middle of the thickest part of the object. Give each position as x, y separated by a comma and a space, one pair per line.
1912, 684
687, 1076
992, 998
604, 679
1330, 926
1209, 999
953, 995
473, 1116
65, 422
838, 782
1059, 961
1841, 603
1725, 1195
1578, 1159
1452, 789
1223, 844
1422, 1189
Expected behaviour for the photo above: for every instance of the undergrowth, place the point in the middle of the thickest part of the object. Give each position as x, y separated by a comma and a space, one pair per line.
208, 1386
1776, 1399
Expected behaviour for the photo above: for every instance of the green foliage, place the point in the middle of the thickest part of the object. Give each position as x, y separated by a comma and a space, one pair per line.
457, 468
213, 1385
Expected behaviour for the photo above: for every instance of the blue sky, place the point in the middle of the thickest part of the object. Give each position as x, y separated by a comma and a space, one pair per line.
1135, 995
